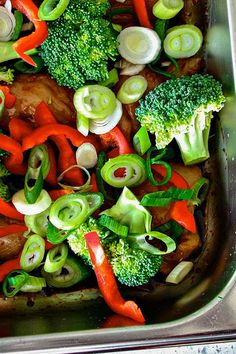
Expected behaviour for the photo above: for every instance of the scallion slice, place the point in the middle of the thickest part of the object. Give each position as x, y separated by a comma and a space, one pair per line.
179, 272
138, 45
56, 258
11, 286
124, 170
132, 89
38, 223
42, 203
72, 272
141, 141
183, 41
33, 284
200, 190
33, 184
157, 160
51, 10
55, 235
95, 200
94, 101
7, 24
33, 253
164, 198
112, 79
141, 242
173, 227
86, 155
166, 9
113, 225
82, 124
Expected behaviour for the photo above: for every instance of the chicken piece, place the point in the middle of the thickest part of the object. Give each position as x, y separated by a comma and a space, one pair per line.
30, 90
189, 243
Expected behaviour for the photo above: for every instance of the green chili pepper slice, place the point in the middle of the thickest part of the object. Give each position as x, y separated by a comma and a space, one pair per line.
51, 10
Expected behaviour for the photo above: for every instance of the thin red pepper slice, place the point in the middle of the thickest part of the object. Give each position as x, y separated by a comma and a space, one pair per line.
57, 193
10, 99
117, 138
11, 229
8, 266
119, 321
36, 38
142, 13
41, 134
19, 129
106, 280
8, 209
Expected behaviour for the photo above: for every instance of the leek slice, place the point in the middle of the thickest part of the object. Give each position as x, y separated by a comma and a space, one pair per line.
141, 242
200, 190
138, 45
113, 225
82, 124
141, 141
33, 253
10, 286
86, 155
33, 284
7, 24
42, 203
164, 198
183, 41
124, 170
94, 101
179, 272
56, 258
72, 272
128, 211
38, 223
56, 236
132, 89
166, 9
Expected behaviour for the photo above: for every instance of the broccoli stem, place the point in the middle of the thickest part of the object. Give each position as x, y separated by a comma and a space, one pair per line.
194, 144
8, 52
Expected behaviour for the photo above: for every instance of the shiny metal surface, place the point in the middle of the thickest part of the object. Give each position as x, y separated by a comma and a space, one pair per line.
205, 308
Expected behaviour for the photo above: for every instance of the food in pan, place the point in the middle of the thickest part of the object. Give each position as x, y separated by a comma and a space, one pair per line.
105, 120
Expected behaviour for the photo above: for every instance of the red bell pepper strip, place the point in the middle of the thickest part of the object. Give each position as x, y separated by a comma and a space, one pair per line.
49, 245
176, 179
119, 321
142, 13
36, 38
19, 129
94, 185
41, 134
57, 193
51, 177
8, 266
106, 280
115, 138
11, 229
8, 209
66, 158
14, 162
10, 99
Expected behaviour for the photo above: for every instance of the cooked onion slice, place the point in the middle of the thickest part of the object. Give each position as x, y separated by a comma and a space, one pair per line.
7, 24
179, 272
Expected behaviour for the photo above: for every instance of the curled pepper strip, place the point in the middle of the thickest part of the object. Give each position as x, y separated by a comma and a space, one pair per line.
35, 39
142, 13
14, 162
106, 280
19, 129
8, 209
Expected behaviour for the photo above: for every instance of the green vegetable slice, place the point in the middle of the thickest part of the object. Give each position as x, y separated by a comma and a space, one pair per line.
33, 253
164, 198
124, 170
157, 161
19, 22
51, 10
141, 242
69, 211
38, 223
95, 101
200, 190
82, 124
72, 272
113, 225
42, 203
173, 227
8, 23
56, 258
25, 68
33, 284
141, 141
132, 89
112, 79
95, 200
55, 235
183, 41
2, 103
167, 9
11, 286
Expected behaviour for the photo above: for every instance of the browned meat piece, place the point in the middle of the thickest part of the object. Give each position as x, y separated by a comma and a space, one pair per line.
190, 173
30, 90
189, 243
11, 245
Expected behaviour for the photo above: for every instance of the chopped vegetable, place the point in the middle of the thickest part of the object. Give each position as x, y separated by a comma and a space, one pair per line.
56, 258
51, 10
86, 155
179, 272
132, 89
33, 253
140, 242
113, 225
19, 22
6, 75
8, 24
11, 287
21, 204
166, 9
141, 141
38, 223
141, 12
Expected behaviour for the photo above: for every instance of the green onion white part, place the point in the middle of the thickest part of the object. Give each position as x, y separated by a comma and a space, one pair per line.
132, 89
38, 223
33, 253
138, 45
179, 272
7, 24
42, 203
86, 155
166, 9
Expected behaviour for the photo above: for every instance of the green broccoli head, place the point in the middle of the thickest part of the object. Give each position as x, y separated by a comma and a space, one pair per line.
77, 241
131, 266
6, 75
182, 109
79, 44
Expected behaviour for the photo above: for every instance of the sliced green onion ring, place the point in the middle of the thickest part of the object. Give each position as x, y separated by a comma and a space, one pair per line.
39, 158
82, 124
33, 184
200, 190
183, 41
95, 101
38, 223
86, 155
51, 10
141, 141
33, 253
56, 258
11, 286
132, 89
156, 160
7, 24
85, 187
172, 226
113, 225
167, 9
164, 198
33, 284
124, 170
69, 211
179, 272
72, 272
141, 242
42, 203
112, 79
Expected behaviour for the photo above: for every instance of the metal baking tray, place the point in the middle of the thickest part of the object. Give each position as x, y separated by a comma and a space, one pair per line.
200, 309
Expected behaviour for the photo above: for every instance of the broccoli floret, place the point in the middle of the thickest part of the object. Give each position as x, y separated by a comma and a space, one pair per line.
131, 266
4, 190
79, 44
182, 109
77, 241
6, 75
